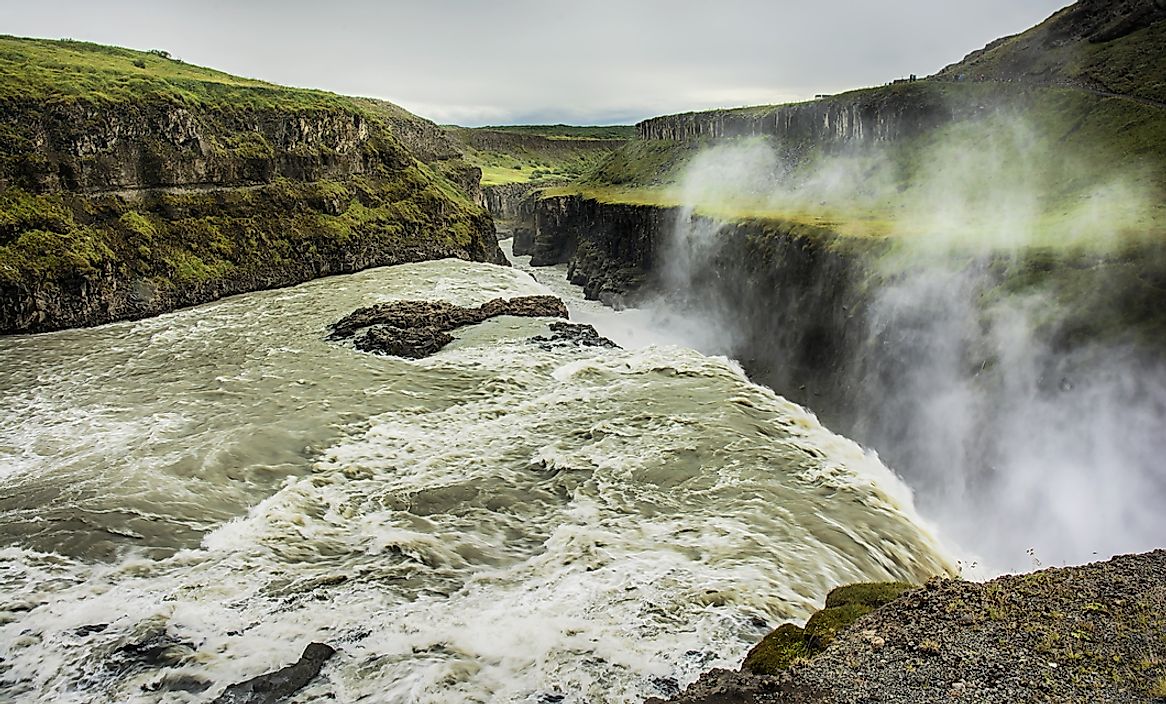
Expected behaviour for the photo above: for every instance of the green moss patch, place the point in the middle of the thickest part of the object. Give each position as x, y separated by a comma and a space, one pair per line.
789, 644
869, 594
778, 651
194, 237
825, 624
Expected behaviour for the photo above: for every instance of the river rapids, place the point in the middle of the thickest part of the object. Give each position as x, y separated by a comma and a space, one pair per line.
188, 501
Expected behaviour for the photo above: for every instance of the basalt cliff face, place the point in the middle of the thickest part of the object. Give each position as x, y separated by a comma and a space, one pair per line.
874, 331
791, 296
610, 248
87, 149
841, 327
201, 185
512, 203
866, 116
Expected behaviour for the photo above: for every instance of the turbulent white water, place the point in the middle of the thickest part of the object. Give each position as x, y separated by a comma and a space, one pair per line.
187, 501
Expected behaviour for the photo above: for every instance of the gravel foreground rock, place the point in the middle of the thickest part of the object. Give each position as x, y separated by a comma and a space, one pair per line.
1091, 634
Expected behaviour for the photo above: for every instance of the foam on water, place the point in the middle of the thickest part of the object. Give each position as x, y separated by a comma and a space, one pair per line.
500, 522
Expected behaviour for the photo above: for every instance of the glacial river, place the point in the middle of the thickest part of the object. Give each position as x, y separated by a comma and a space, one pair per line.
188, 501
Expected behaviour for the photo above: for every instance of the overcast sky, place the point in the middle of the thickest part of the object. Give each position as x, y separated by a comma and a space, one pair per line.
539, 61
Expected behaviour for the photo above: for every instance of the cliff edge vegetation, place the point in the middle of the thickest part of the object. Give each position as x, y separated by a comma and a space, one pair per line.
132, 183
537, 154
1048, 134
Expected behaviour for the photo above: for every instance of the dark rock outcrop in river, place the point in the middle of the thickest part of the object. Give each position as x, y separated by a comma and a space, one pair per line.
417, 329
279, 685
1069, 635
572, 335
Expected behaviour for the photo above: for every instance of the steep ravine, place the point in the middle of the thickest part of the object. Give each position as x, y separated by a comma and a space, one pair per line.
979, 378
760, 272
511, 203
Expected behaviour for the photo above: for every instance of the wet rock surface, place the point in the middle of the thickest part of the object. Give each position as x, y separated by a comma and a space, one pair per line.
276, 686
572, 335
417, 329
403, 314
1078, 634
415, 343
610, 248
523, 241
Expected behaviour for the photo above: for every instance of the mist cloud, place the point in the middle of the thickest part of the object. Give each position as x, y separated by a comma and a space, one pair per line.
1014, 439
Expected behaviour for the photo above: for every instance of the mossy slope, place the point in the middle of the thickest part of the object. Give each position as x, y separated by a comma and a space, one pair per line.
789, 644
131, 183
1096, 44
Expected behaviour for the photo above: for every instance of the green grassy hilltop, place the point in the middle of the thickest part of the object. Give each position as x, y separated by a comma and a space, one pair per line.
73, 71
537, 153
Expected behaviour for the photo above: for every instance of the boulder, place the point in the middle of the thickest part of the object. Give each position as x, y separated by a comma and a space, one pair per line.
276, 686
417, 329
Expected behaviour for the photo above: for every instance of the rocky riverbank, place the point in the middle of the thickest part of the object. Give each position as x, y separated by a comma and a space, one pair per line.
1087, 634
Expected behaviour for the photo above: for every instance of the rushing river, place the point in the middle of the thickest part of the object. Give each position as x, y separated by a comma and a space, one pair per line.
187, 501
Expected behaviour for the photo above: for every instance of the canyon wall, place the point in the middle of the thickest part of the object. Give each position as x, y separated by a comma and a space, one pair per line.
977, 378
117, 208
512, 203
93, 149
610, 248
792, 293
862, 116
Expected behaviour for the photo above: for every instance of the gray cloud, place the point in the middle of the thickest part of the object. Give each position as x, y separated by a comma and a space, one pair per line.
514, 61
